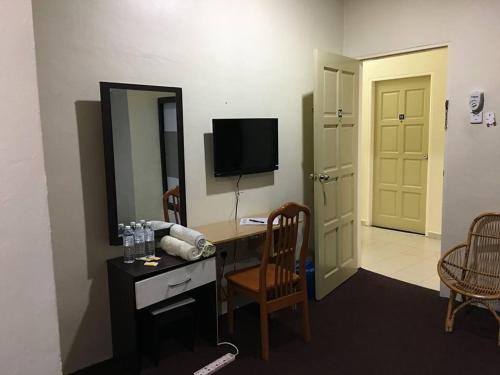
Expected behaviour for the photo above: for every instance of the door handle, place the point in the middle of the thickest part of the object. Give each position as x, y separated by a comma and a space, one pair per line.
426, 156
325, 177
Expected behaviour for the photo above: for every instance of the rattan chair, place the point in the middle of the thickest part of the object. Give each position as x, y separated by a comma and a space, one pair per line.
472, 269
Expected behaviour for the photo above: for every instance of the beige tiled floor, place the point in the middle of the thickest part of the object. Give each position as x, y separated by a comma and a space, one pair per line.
403, 256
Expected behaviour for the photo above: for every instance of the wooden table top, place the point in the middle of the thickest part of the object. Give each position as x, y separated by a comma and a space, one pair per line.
230, 230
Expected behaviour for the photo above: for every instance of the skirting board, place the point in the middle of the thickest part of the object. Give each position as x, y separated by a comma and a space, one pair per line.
436, 236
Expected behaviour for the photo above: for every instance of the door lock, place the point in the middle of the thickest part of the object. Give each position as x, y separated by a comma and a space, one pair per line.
313, 176
426, 156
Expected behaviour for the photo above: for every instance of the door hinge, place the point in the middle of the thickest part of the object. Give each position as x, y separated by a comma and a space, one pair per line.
339, 113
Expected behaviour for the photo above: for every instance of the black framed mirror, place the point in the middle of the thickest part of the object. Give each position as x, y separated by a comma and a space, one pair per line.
144, 154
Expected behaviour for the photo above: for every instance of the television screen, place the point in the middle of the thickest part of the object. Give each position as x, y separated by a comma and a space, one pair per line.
244, 146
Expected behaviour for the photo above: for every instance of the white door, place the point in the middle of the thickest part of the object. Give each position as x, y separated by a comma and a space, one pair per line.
335, 169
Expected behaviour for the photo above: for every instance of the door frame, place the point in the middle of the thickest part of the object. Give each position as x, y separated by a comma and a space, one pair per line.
372, 82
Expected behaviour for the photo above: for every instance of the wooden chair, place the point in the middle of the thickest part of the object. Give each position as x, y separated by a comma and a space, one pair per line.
472, 269
173, 195
274, 283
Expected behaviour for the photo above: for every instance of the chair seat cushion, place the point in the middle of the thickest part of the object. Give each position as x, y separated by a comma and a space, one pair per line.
249, 278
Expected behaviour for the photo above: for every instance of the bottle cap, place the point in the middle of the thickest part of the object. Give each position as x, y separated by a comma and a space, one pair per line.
127, 226
138, 225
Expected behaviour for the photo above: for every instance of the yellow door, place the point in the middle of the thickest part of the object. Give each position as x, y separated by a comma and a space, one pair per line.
335, 177
400, 158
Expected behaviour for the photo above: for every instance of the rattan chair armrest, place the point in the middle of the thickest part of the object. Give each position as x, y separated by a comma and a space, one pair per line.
452, 250
445, 256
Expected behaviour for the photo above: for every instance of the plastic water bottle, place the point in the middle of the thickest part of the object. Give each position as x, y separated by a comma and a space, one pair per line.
121, 229
139, 241
149, 235
143, 223
128, 245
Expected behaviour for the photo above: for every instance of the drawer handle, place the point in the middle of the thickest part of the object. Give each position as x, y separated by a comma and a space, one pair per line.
181, 282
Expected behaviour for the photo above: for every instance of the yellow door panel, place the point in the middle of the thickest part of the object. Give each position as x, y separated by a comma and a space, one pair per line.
347, 245
411, 205
330, 189
330, 254
330, 147
335, 157
331, 102
388, 204
347, 145
347, 192
400, 157
414, 138
412, 173
415, 106
348, 91
390, 105
388, 171
389, 138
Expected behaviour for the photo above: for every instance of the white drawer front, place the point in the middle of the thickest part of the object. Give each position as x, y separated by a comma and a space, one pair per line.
169, 284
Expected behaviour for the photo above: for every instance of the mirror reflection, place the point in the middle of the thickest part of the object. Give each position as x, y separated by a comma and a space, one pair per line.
147, 154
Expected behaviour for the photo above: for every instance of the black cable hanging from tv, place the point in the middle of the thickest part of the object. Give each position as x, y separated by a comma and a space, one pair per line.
237, 196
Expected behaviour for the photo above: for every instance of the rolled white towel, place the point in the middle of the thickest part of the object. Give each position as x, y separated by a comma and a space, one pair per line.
208, 249
176, 247
158, 225
188, 235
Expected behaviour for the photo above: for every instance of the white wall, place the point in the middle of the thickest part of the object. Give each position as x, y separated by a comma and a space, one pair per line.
29, 339
472, 170
232, 59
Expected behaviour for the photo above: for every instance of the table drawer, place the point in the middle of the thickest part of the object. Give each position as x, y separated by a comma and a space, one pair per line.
169, 284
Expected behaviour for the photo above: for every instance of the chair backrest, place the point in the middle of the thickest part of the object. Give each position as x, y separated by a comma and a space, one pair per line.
281, 243
174, 196
483, 248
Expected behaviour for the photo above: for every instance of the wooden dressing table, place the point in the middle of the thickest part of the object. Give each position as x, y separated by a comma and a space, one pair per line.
134, 287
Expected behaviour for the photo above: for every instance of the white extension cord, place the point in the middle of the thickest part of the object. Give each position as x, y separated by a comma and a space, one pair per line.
219, 362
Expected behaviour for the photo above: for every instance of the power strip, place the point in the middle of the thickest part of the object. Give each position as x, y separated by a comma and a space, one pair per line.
216, 365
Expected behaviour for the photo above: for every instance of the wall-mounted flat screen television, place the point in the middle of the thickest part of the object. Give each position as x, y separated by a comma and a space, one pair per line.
244, 146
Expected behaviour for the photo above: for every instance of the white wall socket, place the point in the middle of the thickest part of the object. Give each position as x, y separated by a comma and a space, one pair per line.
490, 119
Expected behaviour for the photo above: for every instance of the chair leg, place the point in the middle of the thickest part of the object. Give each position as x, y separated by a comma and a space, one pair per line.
305, 319
264, 331
449, 314
230, 308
